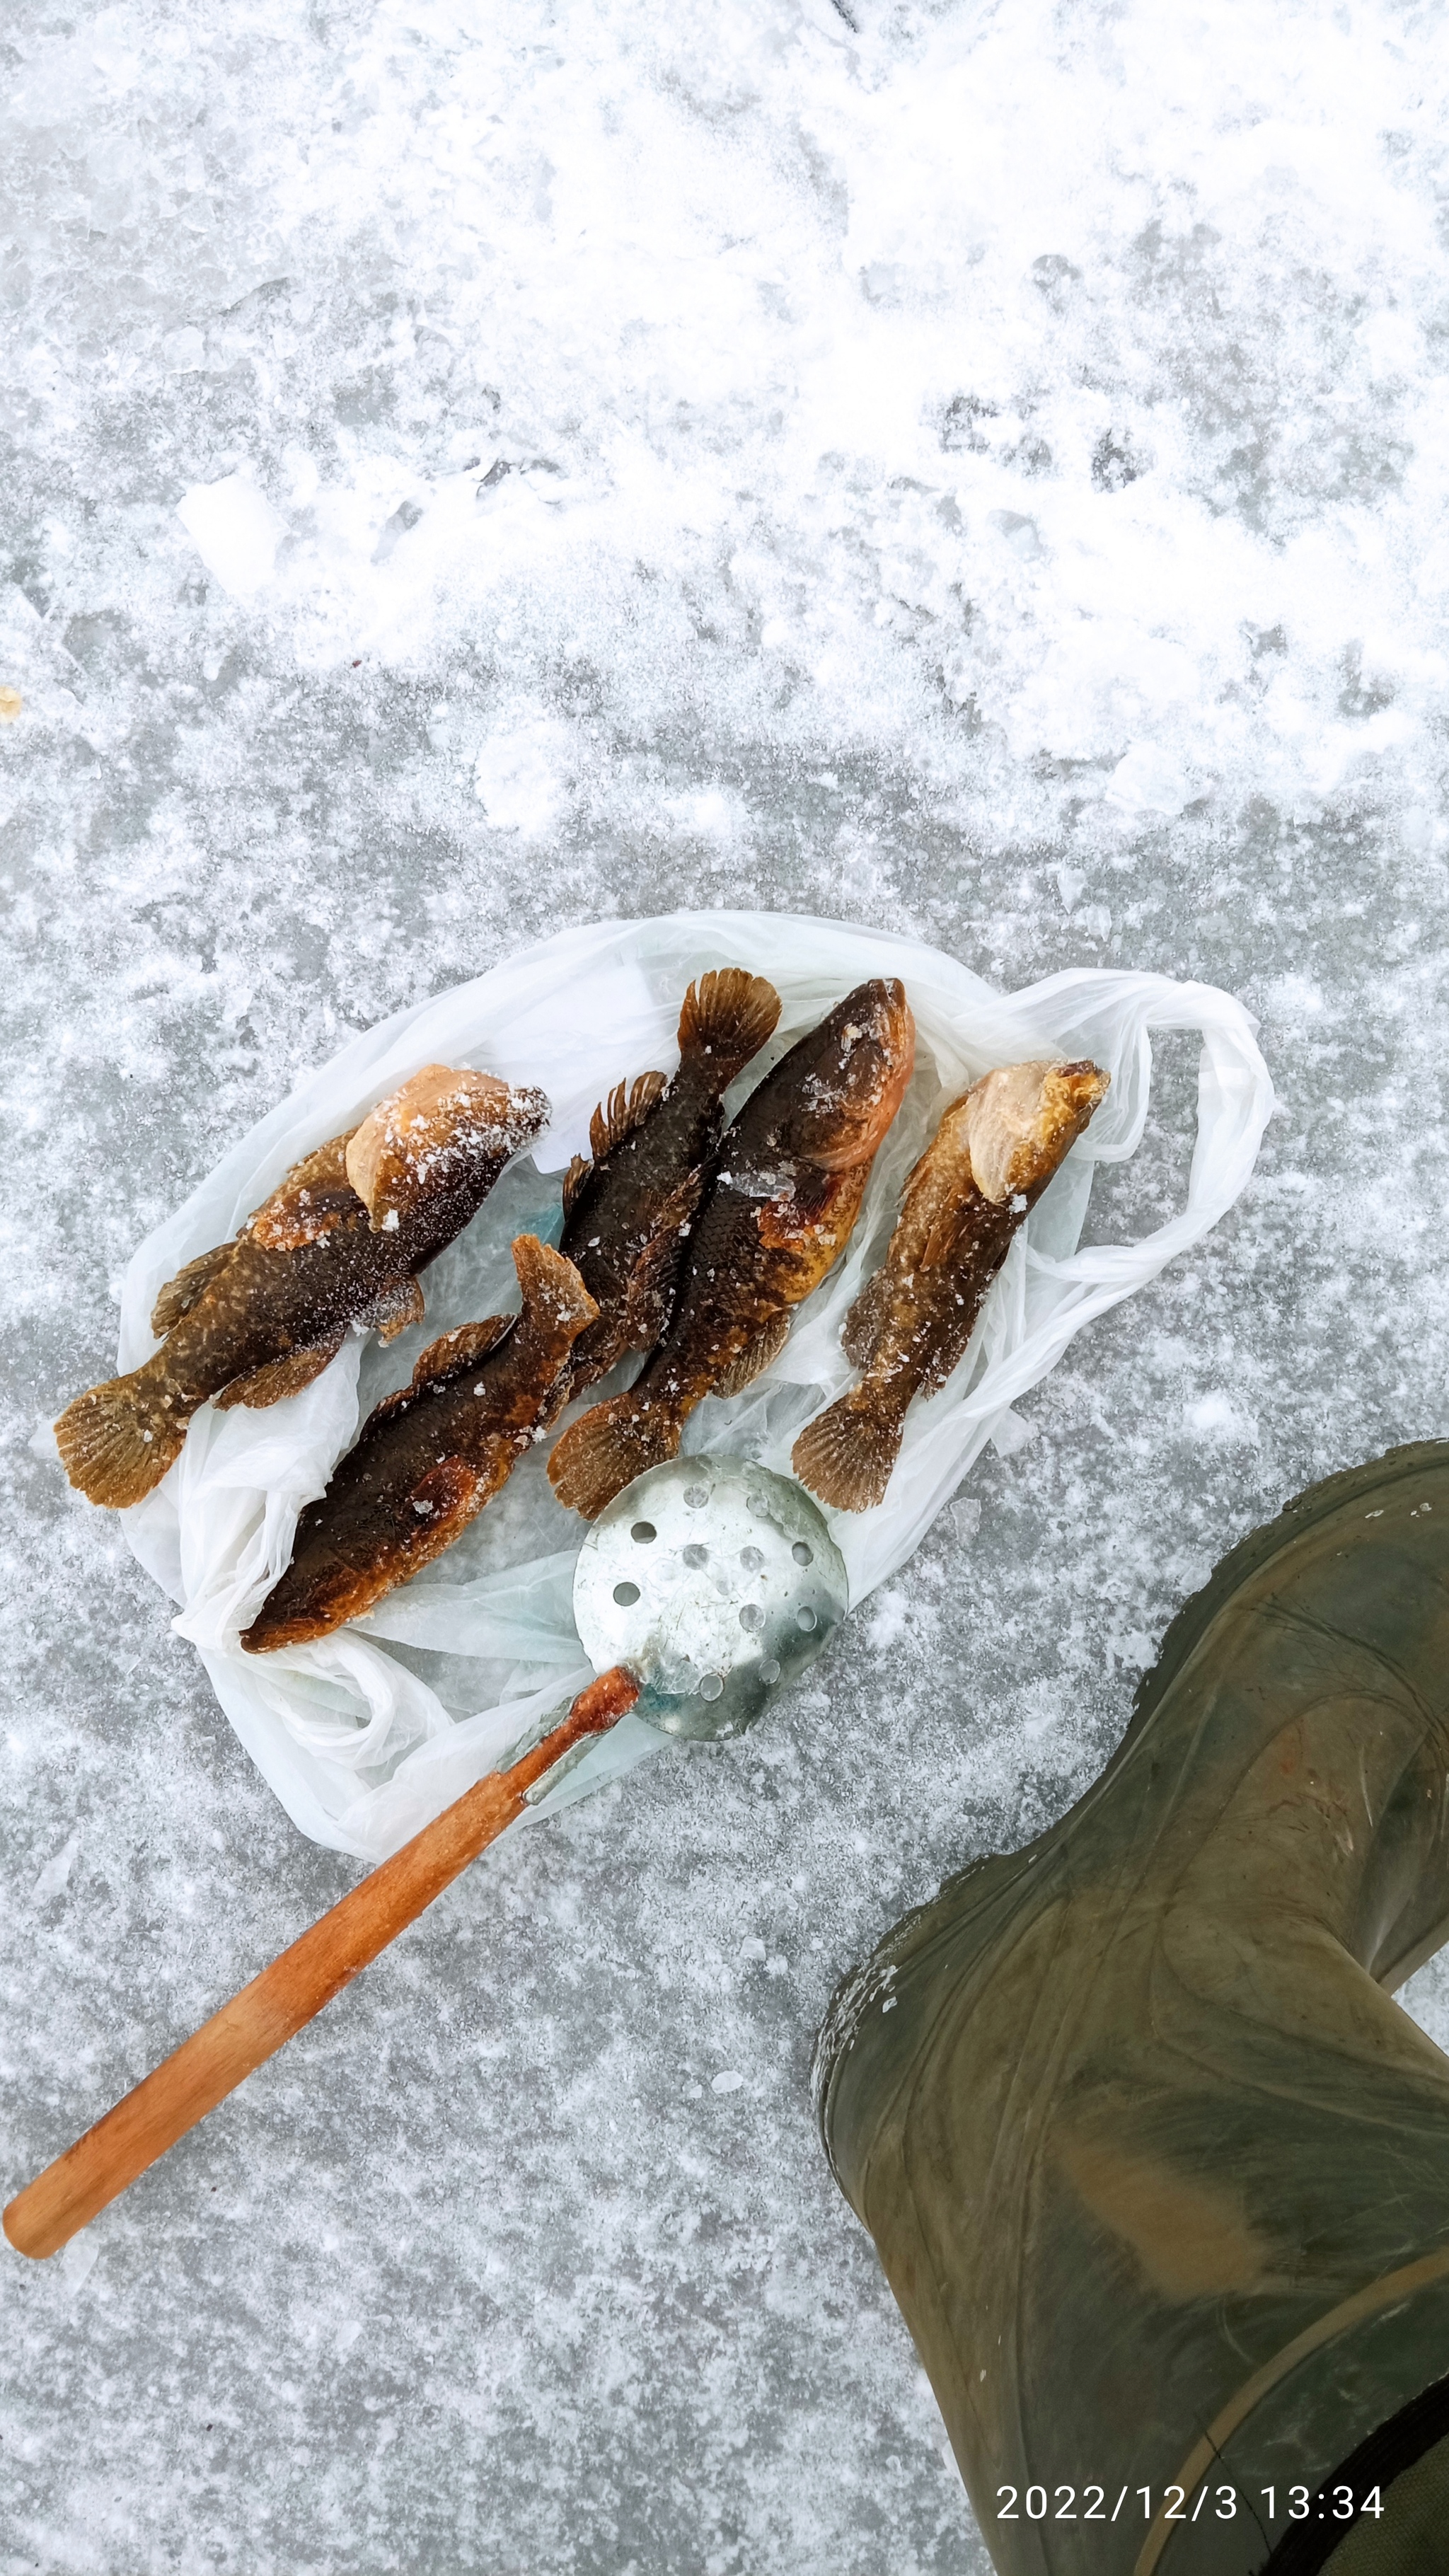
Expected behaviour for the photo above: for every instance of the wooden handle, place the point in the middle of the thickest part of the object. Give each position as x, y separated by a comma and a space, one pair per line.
248, 2030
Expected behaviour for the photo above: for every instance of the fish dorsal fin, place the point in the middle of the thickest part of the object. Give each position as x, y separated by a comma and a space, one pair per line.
180, 1294
573, 1181
727, 1016
313, 1200
450, 1357
452, 1353
626, 1108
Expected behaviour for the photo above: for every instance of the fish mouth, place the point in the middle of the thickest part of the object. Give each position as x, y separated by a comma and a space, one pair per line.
523, 1112
307, 1603
878, 1036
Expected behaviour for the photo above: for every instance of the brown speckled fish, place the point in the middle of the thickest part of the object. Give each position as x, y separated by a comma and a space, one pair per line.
627, 1213
608, 1291
430, 1457
777, 1211
987, 1165
340, 1243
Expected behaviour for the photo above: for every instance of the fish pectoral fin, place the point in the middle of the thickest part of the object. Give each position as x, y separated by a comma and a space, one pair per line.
860, 1333
313, 1200
278, 1379
400, 1304
626, 1108
649, 1293
574, 1179
453, 1353
180, 1294
755, 1358
792, 1215
446, 1488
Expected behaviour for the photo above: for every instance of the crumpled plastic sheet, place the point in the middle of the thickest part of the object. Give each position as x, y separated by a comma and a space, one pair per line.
371, 1732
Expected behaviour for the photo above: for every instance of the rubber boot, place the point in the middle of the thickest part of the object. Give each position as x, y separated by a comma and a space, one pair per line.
1157, 2171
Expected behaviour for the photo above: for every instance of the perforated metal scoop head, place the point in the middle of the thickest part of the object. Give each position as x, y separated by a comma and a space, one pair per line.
715, 1582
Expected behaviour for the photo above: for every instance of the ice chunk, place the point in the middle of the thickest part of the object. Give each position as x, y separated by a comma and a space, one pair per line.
1147, 780
521, 778
235, 531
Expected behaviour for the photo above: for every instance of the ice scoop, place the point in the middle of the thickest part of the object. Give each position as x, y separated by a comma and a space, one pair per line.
706, 1586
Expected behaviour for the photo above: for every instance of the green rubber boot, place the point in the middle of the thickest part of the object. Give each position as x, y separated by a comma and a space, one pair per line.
1157, 2171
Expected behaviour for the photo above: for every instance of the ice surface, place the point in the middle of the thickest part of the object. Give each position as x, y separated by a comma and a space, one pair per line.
982, 474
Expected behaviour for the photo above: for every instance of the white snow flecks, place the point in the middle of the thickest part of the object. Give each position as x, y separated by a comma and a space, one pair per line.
1079, 377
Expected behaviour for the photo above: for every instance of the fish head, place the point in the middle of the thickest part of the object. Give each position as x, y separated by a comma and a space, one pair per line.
444, 1129
1022, 1119
860, 1060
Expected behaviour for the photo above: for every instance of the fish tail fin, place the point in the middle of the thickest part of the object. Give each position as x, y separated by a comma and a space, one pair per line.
116, 1441
607, 1448
846, 1455
727, 1017
555, 1300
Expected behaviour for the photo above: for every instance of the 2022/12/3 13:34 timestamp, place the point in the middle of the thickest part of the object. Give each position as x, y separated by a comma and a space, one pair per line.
1093, 2503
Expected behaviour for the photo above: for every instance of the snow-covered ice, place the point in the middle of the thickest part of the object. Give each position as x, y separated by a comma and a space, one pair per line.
972, 469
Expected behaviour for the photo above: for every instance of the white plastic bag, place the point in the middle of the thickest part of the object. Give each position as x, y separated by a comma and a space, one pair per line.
371, 1732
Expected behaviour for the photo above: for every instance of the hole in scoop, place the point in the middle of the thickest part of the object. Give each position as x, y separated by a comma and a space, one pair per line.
758, 1505
752, 1558
696, 1496
752, 1616
695, 1555
643, 1531
769, 1670
805, 1618
711, 1687
802, 1554
626, 1594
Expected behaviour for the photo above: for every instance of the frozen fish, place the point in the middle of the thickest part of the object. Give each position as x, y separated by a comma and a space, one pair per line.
987, 1165
339, 1244
429, 1457
777, 1211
